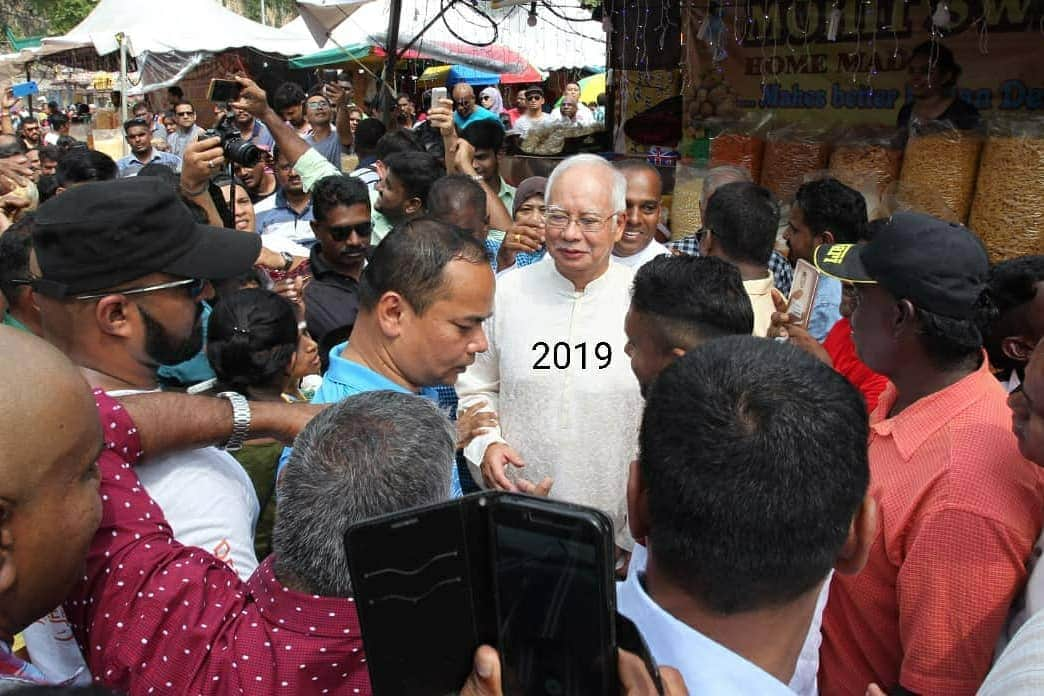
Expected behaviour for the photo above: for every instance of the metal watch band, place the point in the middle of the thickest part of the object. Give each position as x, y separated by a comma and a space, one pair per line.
240, 420
288, 260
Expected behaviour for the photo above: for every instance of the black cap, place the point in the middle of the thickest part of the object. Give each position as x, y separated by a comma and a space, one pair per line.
535, 89
98, 235
939, 266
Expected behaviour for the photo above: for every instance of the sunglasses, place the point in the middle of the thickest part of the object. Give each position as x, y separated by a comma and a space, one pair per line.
532, 97
339, 234
184, 113
194, 287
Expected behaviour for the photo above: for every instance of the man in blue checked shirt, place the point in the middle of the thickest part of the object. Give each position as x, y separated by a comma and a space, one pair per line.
139, 137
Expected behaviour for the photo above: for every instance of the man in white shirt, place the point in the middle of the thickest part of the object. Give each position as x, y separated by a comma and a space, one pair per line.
534, 111
742, 532
577, 113
555, 371
740, 227
644, 188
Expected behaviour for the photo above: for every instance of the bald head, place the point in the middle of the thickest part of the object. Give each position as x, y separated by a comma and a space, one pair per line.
50, 438
464, 99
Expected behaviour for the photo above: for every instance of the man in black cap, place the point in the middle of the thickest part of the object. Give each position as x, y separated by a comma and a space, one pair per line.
120, 269
960, 507
534, 111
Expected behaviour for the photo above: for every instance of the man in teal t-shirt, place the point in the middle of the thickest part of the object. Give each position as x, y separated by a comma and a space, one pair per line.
466, 111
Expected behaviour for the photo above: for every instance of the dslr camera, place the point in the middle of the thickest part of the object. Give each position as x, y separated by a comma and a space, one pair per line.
237, 150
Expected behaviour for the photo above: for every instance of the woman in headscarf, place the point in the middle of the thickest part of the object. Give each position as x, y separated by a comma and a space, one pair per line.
490, 99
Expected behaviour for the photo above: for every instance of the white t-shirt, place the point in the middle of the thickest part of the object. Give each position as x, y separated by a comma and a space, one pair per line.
650, 252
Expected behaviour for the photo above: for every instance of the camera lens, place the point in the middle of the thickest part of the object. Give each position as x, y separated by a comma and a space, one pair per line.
242, 152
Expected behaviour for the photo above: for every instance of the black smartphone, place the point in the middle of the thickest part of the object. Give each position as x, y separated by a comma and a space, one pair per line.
422, 589
328, 76
223, 91
529, 576
555, 597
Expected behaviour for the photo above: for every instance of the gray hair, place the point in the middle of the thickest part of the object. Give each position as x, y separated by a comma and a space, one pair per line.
619, 188
372, 454
721, 175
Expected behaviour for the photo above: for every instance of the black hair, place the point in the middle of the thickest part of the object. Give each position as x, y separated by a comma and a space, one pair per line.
47, 186
484, 135
744, 218
255, 276
403, 95
827, 204
67, 144
251, 337
367, 134
136, 121
629, 164
452, 193
199, 214
27, 119
412, 259
50, 152
79, 166
417, 171
181, 102
57, 120
175, 92
872, 229
941, 58
740, 516
692, 299
11, 145
1012, 287
288, 94
141, 105
162, 172
601, 99
340, 189
400, 140
950, 342
15, 245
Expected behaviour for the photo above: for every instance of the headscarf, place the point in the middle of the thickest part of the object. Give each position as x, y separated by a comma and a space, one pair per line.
497, 106
533, 186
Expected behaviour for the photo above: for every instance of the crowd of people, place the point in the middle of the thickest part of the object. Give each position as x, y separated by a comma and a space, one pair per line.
217, 366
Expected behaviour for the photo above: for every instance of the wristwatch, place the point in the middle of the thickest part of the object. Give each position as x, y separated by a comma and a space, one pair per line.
240, 419
288, 260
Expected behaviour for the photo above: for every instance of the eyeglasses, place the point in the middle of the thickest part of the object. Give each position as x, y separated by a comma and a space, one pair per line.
184, 113
534, 97
464, 102
194, 286
558, 220
486, 96
339, 234
318, 106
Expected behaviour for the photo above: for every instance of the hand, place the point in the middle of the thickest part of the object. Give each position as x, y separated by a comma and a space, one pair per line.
202, 159
472, 422
252, 98
12, 204
441, 117
784, 325
291, 288
336, 94
623, 562
8, 100
875, 690
635, 680
464, 157
497, 457
524, 238
15, 172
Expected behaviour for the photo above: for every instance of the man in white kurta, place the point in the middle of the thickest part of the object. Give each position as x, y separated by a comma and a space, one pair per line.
556, 373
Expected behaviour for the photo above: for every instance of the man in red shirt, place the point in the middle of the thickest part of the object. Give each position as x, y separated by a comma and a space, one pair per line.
960, 507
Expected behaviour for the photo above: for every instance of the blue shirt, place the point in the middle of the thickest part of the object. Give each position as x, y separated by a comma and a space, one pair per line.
345, 378
131, 165
261, 136
285, 228
479, 114
196, 369
826, 309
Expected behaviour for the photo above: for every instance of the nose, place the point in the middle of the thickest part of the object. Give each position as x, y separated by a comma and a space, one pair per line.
481, 344
572, 230
632, 215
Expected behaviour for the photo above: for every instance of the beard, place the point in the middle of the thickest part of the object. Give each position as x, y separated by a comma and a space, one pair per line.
163, 348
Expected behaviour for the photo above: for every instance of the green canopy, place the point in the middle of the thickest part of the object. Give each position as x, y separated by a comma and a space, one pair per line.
19, 44
332, 56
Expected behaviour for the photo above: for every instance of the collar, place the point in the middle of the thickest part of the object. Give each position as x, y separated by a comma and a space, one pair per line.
358, 377
705, 665
320, 267
333, 617
761, 286
281, 202
505, 190
926, 416
560, 284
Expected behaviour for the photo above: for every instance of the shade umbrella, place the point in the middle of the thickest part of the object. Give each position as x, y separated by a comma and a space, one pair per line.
590, 87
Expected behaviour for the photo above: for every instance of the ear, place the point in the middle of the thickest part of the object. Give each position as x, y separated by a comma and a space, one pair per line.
1018, 348
621, 223
827, 237
391, 314
413, 206
8, 572
861, 535
637, 504
677, 352
112, 313
904, 314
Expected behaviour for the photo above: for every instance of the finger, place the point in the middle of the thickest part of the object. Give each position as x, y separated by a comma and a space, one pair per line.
484, 679
635, 680
779, 301
495, 475
673, 684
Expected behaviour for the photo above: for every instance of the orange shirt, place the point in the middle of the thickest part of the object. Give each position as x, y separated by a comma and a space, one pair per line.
959, 511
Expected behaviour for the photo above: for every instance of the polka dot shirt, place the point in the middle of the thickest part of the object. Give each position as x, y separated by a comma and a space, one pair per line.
155, 617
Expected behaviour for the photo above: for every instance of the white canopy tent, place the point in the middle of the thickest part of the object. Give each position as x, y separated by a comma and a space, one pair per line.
563, 36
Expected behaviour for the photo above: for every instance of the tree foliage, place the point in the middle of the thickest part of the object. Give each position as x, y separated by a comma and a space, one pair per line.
63, 15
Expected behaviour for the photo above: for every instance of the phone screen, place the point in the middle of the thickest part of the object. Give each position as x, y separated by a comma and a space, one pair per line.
436, 94
551, 606
223, 91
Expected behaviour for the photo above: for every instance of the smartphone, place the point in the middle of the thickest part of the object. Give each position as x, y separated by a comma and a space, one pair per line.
24, 89
806, 280
529, 576
555, 597
437, 93
223, 91
328, 76
422, 589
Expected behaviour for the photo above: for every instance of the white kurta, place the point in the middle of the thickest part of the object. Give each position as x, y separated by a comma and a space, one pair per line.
570, 413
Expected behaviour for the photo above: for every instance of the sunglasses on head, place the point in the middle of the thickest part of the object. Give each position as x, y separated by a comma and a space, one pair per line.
339, 234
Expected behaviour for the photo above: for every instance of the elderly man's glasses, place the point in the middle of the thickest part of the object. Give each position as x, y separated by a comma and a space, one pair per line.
558, 220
